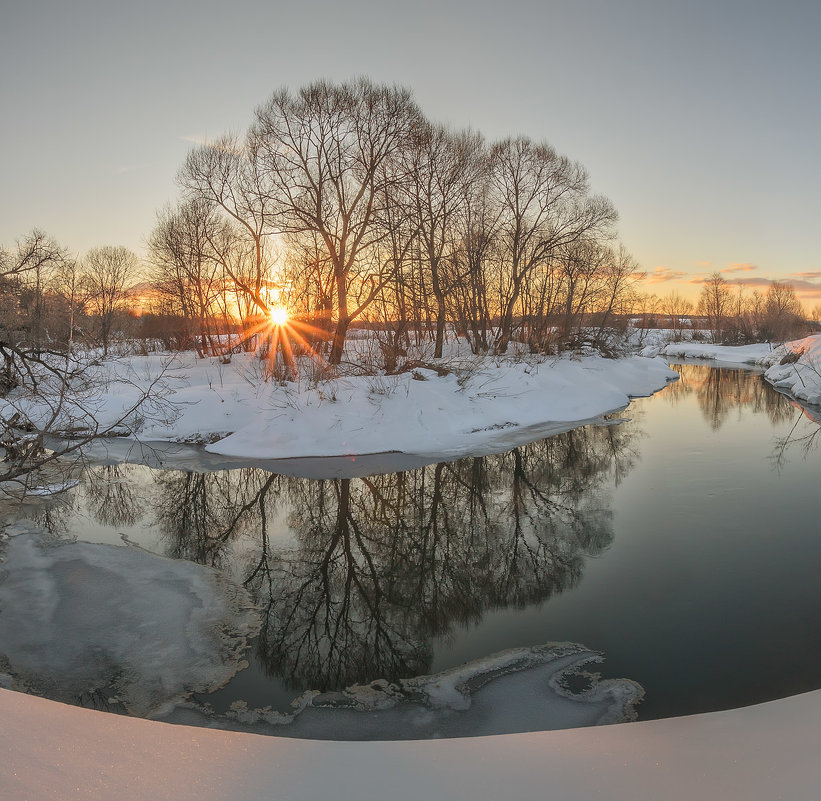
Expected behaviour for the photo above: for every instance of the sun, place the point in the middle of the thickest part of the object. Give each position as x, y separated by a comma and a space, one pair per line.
278, 315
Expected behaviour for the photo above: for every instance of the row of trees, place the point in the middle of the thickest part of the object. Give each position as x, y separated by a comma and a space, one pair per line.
727, 314
48, 298
346, 203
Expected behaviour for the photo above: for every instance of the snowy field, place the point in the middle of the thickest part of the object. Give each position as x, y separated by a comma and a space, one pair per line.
53, 752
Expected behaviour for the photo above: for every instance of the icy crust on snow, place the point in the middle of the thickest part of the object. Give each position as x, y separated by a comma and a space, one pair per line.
523, 689
798, 369
144, 631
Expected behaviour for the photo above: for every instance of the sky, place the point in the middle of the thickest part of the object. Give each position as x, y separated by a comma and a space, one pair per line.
700, 120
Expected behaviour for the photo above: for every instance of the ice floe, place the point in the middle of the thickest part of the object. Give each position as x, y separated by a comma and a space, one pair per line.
522, 689
141, 631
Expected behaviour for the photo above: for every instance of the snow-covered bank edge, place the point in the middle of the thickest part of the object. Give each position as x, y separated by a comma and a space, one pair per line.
52, 751
794, 367
484, 405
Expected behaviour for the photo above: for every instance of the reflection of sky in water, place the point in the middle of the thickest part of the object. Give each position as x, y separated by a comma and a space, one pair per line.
706, 547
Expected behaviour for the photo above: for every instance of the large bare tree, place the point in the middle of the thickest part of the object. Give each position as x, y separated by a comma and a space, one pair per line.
327, 158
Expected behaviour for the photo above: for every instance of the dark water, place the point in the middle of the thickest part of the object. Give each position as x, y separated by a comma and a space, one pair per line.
684, 543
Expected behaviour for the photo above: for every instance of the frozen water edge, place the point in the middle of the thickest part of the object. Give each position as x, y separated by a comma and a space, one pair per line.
141, 633
518, 690
144, 631
183, 456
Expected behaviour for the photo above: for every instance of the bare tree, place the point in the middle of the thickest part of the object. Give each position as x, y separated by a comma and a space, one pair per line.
714, 303
676, 309
545, 206
328, 160
443, 168
107, 271
783, 315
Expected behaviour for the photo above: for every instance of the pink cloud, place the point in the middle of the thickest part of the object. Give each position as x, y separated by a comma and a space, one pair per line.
810, 274
738, 267
663, 274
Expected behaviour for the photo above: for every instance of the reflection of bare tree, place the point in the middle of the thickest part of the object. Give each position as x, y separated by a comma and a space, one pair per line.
803, 436
378, 566
110, 496
201, 513
721, 391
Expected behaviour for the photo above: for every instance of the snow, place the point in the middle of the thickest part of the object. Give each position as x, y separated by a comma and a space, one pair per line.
800, 375
73, 614
484, 405
53, 752
58, 603
761, 353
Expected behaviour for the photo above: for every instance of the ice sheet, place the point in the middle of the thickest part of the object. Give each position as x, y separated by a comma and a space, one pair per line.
523, 689
140, 630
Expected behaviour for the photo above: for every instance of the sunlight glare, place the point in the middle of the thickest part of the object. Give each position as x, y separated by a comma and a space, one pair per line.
278, 315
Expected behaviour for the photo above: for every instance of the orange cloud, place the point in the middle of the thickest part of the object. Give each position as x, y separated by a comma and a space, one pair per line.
738, 267
663, 274
804, 290
703, 263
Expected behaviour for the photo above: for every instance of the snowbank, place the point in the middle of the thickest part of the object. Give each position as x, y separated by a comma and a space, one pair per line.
53, 752
798, 369
759, 354
486, 404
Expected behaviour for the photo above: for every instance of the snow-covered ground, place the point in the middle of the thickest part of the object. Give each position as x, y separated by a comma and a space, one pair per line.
481, 406
798, 371
53, 752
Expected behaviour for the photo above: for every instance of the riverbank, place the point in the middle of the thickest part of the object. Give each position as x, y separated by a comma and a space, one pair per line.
469, 406
794, 367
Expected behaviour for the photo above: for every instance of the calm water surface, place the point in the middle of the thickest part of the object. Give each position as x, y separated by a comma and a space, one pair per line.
682, 541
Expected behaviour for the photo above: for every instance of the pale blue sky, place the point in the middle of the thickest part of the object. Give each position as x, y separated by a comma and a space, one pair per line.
700, 120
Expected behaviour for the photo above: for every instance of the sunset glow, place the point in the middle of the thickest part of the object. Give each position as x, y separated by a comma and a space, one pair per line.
278, 315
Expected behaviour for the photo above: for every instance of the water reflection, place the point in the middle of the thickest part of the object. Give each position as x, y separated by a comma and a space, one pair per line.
378, 566
355, 577
722, 391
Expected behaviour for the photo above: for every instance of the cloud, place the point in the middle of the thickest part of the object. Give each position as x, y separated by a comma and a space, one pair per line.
804, 290
663, 274
738, 267
703, 263
226, 143
195, 139
809, 274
